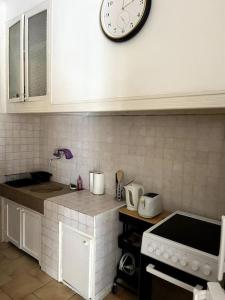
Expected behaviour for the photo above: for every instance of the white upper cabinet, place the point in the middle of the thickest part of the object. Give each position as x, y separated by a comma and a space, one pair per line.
27, 56
176, 61
175, 55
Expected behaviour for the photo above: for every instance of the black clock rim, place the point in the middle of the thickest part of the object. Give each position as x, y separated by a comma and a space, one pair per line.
135, 30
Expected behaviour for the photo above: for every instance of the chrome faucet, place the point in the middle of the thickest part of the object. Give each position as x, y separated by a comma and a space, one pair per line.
59, 153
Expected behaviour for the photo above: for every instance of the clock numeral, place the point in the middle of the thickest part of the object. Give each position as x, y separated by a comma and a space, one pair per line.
138, 15
107, 15
141, 2
109, 25
110, 3
114, 29
131, 25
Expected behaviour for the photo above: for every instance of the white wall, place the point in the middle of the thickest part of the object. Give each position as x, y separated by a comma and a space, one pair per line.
17, 7
180, 50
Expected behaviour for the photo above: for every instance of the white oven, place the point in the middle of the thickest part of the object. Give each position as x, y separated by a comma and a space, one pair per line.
179, 256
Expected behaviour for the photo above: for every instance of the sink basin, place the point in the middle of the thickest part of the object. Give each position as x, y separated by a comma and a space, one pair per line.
48, 188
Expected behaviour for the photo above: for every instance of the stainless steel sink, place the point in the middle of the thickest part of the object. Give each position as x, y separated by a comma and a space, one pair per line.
48, 188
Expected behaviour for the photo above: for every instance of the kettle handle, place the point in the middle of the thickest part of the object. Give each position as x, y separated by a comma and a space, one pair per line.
143, 191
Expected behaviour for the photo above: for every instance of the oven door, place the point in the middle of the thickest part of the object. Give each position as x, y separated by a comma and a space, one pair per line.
159, 281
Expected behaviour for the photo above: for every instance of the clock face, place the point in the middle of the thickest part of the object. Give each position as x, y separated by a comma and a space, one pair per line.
122, 19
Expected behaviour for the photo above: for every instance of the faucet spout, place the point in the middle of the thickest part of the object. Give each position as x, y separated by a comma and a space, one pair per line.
63, 151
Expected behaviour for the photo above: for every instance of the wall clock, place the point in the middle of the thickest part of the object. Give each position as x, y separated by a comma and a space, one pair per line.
122, 19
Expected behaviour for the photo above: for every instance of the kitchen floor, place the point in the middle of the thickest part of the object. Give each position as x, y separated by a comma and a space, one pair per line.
21, 278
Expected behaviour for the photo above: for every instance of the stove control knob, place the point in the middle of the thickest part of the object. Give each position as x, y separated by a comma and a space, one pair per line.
207, 270
154, 245
195, 265
166, 255
174, 258
158, 251
183, 262
150, 248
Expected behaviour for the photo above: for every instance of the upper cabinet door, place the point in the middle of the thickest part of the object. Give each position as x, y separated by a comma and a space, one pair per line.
27, 55
36, 30
16, 60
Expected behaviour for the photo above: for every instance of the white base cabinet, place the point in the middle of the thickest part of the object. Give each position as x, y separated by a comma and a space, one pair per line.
22, 227
31, 233
77, 261
13, 223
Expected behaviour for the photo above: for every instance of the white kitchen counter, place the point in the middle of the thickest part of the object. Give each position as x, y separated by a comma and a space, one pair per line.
87, 203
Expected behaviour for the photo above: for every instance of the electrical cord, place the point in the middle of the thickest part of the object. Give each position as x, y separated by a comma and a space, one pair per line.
126, 266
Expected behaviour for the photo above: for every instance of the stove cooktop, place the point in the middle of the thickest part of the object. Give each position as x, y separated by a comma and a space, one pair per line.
200, 234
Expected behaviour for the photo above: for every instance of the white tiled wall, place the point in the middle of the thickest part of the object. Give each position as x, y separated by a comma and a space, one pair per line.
180, 157
19, 144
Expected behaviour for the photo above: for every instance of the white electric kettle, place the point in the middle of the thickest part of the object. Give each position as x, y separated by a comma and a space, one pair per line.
133, 193
150, 205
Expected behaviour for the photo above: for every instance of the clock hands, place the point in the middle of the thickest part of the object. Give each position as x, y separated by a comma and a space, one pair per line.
124, 6
122, 19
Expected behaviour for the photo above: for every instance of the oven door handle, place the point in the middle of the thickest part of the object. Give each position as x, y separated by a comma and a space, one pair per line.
221, 268
151, 269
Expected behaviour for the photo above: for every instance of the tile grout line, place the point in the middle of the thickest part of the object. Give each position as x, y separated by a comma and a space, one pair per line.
6, 294
42, 286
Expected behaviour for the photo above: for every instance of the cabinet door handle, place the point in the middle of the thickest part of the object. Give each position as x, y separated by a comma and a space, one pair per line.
85, 243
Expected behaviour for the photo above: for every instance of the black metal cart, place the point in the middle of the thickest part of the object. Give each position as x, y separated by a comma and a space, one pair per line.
130, 242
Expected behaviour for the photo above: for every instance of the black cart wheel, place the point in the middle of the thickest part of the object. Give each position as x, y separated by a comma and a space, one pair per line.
114, 288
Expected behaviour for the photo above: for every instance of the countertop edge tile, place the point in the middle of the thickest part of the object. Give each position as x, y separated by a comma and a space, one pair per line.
86, 203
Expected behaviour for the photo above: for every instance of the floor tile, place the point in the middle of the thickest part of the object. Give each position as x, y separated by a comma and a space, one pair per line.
11, 267
22, 278
2, 257
125, 295
30, 297
111, 297
76, 297
21, 285
40, 275
54, 290
4, 278
4, 245
3, 296
12, 253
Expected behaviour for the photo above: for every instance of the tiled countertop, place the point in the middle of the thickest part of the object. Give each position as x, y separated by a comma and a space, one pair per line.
87, 203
